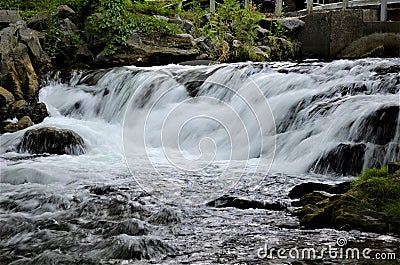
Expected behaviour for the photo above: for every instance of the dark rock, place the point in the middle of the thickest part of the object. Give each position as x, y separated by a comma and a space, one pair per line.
311, 198
155, 49
53, 141
345, 159
36, 111
380, 127
84, 55
204, 44
65, 11
302, 189
165, 216
133, 248
204, 19
184, 25
241, 203
305, 210
91, 77
21, 124
132, 227
8, 17
66, 47
102, 190
261, 32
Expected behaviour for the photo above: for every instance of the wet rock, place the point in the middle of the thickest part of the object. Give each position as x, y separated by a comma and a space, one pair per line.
53, 141
345, 159
131, 227
7, 17
302, 189
165, 216
342, 213
311, 198
102, 190
133, 247
21, 124
38, 21
242, 203
380, 127
66, 46
92, 77
155, 49
36, 111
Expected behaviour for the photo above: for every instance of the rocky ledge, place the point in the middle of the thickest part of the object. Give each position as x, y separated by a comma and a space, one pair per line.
349, 206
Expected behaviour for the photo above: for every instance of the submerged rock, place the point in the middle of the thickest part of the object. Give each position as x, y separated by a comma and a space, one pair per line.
242, 203
165, 216
345, 159
53, 141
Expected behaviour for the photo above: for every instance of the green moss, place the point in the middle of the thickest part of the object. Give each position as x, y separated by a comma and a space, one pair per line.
378, 190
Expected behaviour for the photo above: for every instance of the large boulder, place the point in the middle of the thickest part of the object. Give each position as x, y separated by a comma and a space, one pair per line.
30, 38
16, 70
36, 111
6, 98
154, 49
53, 141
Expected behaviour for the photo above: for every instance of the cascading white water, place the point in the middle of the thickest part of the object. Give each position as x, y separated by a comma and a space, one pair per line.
315, 108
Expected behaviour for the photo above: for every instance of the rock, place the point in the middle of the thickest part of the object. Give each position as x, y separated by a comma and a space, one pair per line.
204, 44
16, 70
38, 21
21, 124
281, 49
31, 39
261, 32
36, 111
302, 189
155, 49
345, 159
53, 141
311, 198
305, 210
8, 17
84, 55
66, 47
165, 216
204, 19
379, 127
374, 45
242, 203
6, 97
340, 212
292, 25
65, 11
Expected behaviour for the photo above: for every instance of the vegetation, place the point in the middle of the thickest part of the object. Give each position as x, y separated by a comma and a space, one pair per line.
378, 190
232, 29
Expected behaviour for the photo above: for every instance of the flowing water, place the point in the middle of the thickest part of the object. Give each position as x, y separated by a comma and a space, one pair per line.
163, 141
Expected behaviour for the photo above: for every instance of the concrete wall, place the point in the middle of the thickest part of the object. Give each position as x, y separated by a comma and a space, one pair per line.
328, 33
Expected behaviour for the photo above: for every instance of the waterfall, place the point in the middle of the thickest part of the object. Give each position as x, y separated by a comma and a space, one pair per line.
337, 117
